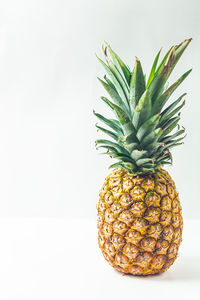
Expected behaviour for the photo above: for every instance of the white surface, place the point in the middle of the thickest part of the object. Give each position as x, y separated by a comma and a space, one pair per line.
59, 259
48, 88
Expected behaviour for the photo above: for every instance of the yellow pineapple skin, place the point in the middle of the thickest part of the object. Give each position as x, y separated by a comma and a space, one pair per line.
139, 222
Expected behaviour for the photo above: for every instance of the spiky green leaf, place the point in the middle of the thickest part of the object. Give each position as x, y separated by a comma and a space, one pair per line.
109, 122
113, 94
171, 137
114, 66
124, 120
108, 132
109, 82
143, 110
148, 126
170, 125
152, 137
137, 85
121, 67
112, 144
124, 68
160, 101
115, 81
137, 154
129, 167
153, 69
166, 117
165, 69
172, 106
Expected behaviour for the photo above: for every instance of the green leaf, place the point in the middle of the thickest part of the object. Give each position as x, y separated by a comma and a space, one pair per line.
131, 147
116, 122
109, 148
163, 154
112, 144
169, 122
170, 115
112, 151
109, 122
143, 110
176, 140
165, 69
116, 154
164, 162
137, 85
173, 143
137, 154
172, 106
179, 51
163, 61
170, 137
170, 125
160, 101
152, 137
129, 139
121, 67
116, 70
124, 158
124, 68
117, 165
153, 147
148, 169
108, 132
126, 166
141, 162
160, 78
148, 126
116, 82
109, 82
121, 115
145, 80
107, 102
125, 122
113, 94
153, 69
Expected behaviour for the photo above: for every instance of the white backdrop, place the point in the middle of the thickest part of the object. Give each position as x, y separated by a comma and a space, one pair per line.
48, 88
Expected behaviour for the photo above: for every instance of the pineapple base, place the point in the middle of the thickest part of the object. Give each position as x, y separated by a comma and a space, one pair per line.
139, 222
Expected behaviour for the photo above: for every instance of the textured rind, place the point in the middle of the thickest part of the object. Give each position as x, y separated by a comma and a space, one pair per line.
139, 222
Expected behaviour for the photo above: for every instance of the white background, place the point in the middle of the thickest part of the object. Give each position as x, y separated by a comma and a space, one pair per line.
48, 88
50, 172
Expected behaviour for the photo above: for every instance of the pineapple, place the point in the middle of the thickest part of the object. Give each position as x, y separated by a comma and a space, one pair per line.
139, 212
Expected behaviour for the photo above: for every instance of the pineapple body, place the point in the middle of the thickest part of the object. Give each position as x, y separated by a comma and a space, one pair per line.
139, 222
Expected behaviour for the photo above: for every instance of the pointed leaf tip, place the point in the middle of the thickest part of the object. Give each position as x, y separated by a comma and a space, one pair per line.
106, 43
186, 42
137, 59
153, 68
189, 40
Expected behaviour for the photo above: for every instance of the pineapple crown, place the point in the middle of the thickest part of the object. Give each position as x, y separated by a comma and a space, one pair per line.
143, 132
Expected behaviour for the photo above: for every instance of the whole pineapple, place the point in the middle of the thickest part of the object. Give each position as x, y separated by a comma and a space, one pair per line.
139, 213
